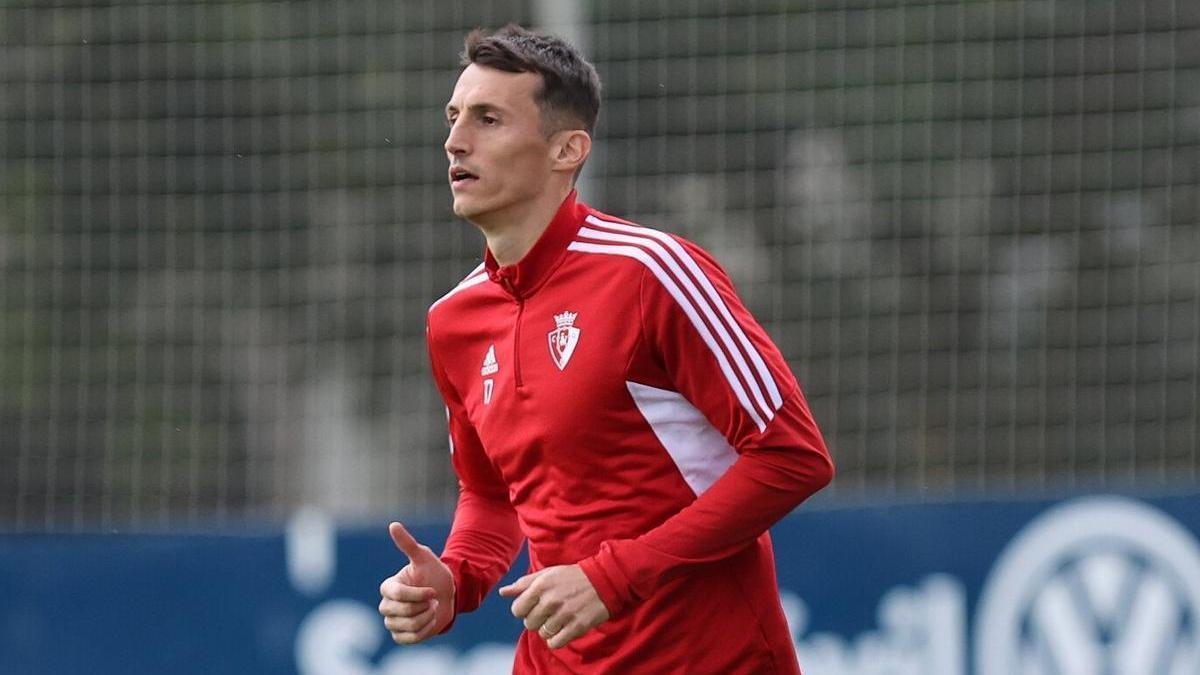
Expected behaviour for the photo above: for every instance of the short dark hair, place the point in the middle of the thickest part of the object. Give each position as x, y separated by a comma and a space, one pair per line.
570, 94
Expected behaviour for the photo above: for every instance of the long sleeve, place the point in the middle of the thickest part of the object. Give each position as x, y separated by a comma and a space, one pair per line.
710, 350
485, 536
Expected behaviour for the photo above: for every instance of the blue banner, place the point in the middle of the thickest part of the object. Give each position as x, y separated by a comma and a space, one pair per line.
1085, 585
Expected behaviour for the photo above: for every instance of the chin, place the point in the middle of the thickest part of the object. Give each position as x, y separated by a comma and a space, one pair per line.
473, 210
463, 208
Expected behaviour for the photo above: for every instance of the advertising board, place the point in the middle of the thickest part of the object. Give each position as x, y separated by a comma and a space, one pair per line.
1091, 584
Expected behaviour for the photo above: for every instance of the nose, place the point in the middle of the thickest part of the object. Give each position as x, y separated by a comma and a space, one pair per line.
456, 140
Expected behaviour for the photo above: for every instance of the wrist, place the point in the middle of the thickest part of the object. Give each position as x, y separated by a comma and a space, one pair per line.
613, 593
451, 604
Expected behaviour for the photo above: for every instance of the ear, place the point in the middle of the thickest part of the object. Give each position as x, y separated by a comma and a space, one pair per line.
569, 149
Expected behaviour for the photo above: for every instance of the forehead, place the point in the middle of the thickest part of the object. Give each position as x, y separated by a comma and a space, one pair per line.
480, 85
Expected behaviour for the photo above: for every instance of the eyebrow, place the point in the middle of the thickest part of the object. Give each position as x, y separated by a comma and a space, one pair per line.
476, 108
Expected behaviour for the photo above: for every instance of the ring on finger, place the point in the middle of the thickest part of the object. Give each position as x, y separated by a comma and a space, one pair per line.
547, 632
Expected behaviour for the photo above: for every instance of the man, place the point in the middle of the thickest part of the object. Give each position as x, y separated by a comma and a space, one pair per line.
609, 399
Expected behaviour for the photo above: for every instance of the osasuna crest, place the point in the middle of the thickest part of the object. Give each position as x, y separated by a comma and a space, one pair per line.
563, 338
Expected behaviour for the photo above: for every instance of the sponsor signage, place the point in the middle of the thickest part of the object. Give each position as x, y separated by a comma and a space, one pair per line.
1094, 584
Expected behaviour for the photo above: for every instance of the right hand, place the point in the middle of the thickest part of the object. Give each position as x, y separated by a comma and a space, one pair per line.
418, 601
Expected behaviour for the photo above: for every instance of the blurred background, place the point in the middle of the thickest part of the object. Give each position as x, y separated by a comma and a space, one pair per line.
971, 226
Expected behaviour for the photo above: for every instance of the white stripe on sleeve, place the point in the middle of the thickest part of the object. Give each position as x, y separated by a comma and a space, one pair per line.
669, 283
699, 301
690, 263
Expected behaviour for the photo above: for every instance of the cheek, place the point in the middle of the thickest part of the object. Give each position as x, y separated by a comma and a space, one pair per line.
527, 163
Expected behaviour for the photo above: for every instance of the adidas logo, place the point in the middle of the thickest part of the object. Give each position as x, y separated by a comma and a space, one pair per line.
489, 362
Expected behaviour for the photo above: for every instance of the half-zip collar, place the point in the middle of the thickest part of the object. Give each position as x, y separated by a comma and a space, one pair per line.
524, 277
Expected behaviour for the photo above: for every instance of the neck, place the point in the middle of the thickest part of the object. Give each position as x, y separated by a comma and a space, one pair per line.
511, 233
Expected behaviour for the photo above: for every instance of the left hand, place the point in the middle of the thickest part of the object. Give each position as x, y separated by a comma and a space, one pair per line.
559, 603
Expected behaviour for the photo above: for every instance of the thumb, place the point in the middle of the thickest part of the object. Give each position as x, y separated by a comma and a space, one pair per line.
408, 545
519, 586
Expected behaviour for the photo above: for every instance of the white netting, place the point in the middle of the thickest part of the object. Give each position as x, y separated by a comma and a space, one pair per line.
971, 226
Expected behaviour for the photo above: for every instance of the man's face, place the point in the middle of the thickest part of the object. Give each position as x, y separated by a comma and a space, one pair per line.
498, 155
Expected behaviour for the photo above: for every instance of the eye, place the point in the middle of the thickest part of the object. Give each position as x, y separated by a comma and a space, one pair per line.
489, 120
450, 120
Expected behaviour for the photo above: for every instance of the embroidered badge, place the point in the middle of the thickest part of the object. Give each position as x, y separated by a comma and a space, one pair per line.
563, 338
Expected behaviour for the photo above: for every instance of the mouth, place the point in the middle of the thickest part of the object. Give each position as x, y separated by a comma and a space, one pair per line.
460, 176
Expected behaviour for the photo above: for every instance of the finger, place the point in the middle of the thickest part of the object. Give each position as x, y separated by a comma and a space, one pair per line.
392, 608
540, 614
549, 628
519, 586
566, 635
525, 602
406, 543
411, 624
394, 589
413, 637
410, 637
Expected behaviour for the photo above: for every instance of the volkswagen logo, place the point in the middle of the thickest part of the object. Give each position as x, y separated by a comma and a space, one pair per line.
1096, 586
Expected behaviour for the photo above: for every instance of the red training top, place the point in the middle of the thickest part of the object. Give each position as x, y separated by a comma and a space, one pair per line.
611, 400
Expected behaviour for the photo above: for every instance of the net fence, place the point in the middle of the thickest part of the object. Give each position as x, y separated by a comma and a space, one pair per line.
970, 226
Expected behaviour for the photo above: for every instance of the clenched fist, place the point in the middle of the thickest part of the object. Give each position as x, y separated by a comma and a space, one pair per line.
418, 601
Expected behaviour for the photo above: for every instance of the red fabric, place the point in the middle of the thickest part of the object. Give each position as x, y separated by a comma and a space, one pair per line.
565, 458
